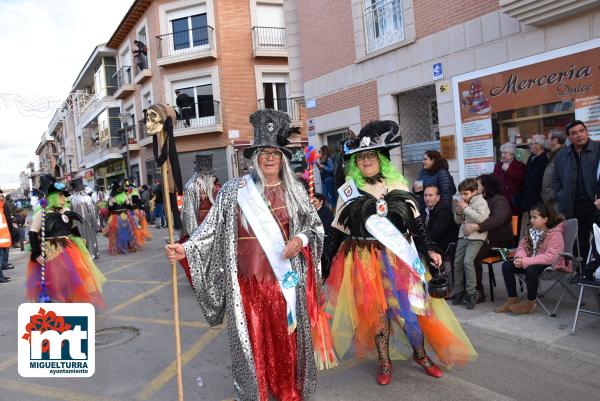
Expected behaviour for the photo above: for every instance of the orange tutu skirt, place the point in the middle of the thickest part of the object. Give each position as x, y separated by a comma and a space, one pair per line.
367, 282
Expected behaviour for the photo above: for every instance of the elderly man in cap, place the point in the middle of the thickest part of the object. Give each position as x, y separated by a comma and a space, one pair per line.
256, 257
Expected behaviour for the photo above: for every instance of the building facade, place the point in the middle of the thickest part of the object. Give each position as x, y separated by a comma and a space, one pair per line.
95, 113
458, 76
62, 130
215, 63
46, 153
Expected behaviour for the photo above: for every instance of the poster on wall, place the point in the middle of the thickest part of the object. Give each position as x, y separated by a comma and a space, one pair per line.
587, 109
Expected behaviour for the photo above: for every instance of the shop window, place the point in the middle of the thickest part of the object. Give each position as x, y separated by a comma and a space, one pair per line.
519, 125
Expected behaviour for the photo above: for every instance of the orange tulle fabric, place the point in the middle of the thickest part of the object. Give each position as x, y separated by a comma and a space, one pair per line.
360, 292
71, 276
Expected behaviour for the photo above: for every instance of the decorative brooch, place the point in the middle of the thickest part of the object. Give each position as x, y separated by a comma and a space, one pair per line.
382, 208
290, 279
418, 266
65, 218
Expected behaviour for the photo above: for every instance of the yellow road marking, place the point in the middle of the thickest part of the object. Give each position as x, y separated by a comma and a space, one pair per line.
163, 378
47, 391
8, 363
183, 323
127, 266
135, 299
130, 281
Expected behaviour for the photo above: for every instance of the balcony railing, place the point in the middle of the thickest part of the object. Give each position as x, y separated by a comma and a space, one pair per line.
123, 75
384, 24
131, 134
184, 42
287, 105
201, 114
268, 38
142, 129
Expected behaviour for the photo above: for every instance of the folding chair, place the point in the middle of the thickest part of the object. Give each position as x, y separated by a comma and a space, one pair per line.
501, 257
584, 283
560, 277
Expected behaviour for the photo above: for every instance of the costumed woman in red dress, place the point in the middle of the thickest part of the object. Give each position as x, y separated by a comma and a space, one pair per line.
199, 194
256, 257
61, 268
377, 288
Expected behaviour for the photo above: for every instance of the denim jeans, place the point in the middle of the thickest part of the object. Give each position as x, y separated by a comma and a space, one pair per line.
464, 265
159, 212
3, 259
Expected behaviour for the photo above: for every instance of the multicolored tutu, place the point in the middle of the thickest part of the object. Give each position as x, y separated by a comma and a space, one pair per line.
367, 282
121, 233
71, 275
140, 227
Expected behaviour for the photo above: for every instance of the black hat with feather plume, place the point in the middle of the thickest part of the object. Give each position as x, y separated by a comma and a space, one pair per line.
271, 130
380, 135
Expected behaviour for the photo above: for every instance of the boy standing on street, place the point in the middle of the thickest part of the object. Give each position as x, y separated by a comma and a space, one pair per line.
472, 208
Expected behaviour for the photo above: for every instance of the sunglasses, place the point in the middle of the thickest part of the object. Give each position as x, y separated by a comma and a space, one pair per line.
368, 155
263, 154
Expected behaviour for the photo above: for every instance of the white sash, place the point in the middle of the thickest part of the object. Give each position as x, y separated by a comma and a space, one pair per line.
271, 240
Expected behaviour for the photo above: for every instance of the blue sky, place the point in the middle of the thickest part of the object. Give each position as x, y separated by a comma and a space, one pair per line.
44, 46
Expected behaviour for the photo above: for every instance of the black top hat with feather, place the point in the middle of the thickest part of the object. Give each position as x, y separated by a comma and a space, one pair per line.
77, 184
271, 130
376, 135
204, 163
49, 184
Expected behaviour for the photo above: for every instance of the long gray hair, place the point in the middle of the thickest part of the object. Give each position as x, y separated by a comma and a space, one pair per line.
207, 184
295, 200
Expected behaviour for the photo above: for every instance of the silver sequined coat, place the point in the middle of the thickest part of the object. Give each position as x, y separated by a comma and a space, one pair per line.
83, 205
191, 205
212, 255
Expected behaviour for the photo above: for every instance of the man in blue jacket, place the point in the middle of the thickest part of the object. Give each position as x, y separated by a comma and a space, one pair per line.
575, 181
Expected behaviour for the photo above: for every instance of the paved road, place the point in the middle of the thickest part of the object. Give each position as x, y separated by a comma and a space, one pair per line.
520, 358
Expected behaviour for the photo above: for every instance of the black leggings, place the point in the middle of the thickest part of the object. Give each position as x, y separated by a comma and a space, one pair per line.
531, 278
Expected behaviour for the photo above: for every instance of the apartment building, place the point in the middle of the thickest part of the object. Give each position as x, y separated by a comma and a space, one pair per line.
62, 131
95, 114
46, 152
215, 62
459, 76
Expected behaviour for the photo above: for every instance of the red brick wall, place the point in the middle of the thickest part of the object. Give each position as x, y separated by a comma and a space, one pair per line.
436, 15
326, 35
364, 96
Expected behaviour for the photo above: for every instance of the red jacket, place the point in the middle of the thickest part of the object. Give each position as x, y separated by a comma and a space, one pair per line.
511, 183
548, 251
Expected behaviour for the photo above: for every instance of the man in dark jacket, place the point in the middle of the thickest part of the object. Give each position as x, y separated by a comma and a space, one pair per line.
575, 181
439, 219
534, 173
184, 103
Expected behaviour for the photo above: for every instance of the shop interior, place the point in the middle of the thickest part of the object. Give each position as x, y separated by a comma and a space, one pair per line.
519, 125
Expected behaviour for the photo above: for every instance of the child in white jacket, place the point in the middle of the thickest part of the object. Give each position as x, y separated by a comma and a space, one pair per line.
472, 208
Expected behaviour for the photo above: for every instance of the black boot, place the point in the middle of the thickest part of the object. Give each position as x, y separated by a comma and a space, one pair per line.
458, 298
480, 296
470, 301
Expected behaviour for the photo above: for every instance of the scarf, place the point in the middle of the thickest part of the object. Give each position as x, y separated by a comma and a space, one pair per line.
534, 239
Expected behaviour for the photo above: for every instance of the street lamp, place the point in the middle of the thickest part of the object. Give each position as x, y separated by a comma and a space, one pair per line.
124, 117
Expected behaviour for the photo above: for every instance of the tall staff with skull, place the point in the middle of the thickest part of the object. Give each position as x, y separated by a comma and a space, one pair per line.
160, 121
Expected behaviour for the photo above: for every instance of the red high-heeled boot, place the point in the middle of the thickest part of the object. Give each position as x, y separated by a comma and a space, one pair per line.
430, 368
384, 373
